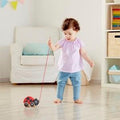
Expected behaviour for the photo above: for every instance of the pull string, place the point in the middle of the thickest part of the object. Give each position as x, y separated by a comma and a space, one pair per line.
44, 75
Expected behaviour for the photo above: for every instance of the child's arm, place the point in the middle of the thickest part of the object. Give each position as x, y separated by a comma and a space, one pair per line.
83, 53
53, 47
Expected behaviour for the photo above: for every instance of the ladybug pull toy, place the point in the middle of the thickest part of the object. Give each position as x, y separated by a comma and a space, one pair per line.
30, 101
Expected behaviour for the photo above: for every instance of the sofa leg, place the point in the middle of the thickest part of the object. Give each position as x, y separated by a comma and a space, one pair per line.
16, 84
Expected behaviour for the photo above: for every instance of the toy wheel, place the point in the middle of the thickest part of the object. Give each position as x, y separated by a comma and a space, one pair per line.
26, 104
32, 104
36, 101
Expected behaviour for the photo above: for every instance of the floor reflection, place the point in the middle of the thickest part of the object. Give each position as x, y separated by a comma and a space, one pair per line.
98, 103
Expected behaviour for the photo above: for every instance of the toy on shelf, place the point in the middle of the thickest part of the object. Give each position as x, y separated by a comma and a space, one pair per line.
115, 17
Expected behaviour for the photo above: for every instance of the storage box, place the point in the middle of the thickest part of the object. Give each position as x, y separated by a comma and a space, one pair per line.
113, 44
114, 76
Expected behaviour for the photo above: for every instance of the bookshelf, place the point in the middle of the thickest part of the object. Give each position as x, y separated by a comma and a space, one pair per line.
107, 27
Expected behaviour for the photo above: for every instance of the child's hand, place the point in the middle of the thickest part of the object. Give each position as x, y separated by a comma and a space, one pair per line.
91, 63
49, 43
52, 46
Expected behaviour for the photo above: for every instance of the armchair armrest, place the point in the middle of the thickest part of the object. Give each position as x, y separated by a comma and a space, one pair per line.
15, 52
16, 49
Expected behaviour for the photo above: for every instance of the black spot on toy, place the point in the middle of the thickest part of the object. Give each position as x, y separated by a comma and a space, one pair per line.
30, 101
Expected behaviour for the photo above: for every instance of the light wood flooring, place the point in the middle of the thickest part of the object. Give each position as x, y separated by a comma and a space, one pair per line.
99, 103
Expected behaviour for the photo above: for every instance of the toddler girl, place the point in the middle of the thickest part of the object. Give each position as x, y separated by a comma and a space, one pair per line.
70, 62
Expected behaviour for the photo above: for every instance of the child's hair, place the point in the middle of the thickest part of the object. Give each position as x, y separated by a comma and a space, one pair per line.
70, 23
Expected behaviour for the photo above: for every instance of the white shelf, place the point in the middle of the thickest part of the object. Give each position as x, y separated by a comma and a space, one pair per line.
112, 3
107, 62
112, 57
111, 85
112, 30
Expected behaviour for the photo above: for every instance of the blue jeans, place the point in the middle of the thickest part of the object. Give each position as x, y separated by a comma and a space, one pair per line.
62, 80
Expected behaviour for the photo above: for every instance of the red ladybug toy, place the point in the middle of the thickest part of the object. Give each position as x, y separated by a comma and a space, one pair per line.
30, 101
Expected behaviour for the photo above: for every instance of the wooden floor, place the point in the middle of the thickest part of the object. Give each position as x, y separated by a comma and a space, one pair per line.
99, 103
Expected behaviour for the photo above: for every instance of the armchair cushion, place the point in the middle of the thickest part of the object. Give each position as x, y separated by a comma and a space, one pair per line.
36, 49
37, 60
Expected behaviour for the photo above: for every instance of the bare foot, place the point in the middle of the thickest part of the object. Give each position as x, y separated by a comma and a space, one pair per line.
78, 102
57, 101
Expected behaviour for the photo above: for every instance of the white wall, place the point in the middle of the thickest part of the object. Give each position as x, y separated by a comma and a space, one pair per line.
9, 18
52, 12
88, 13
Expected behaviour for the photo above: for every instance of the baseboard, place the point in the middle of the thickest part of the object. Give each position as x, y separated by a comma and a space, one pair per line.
4, 79
91, 81
95, 81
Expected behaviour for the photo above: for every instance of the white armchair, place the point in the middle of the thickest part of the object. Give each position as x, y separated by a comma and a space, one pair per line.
30, 69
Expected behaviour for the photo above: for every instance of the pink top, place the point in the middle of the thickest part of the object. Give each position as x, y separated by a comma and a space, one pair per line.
70, 59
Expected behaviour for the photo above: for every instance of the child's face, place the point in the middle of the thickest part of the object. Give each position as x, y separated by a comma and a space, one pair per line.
70, 34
